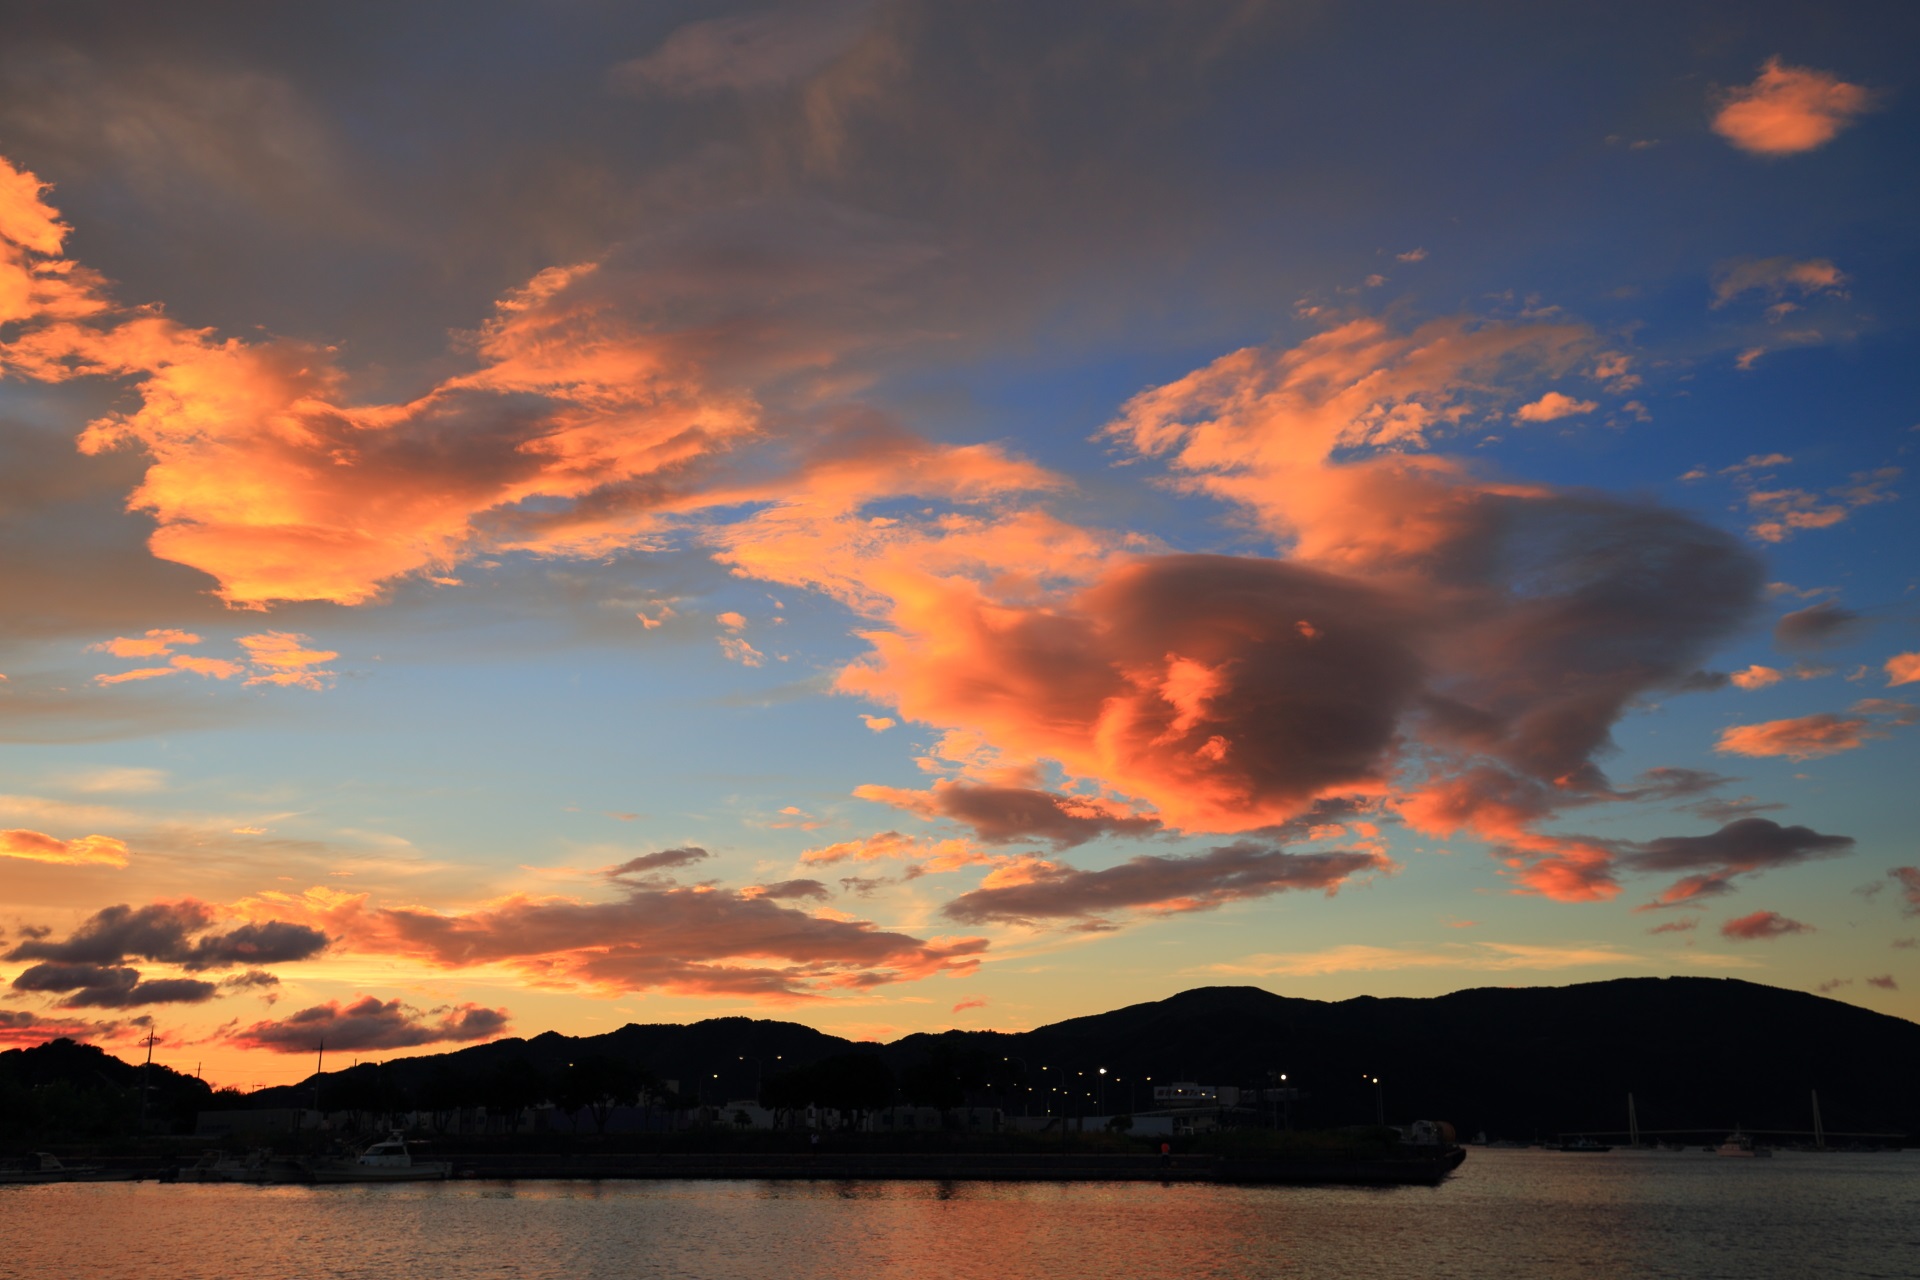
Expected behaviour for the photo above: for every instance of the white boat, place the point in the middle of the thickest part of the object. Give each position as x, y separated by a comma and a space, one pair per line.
387, 1161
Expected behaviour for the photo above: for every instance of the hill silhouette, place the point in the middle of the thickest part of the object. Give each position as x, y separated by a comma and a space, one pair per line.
65, 1089
1698, 1054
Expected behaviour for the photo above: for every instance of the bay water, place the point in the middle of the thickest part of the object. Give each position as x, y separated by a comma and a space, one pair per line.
1505, 1213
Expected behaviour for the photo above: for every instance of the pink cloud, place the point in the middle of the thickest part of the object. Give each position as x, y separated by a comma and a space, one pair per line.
21, 1028
1762, 926
1755, 677
1908, 878
1788, 110
1774, 277
655, 935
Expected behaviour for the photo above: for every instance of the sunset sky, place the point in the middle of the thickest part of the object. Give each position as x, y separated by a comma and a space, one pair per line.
908, 515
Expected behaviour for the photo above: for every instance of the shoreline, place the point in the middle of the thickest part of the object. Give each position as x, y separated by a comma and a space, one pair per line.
895, 1167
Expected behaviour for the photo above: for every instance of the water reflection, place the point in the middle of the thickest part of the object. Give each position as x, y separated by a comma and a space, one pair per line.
1506, 1214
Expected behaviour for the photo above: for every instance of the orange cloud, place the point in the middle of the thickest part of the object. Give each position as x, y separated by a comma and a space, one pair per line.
154, 644
1903, 668
139, 673
927, 855
1553, 405
737, 649
1230, 694
35, 846
1755, 677
264, 478
1821, 734
1801, 738
1787, 110
218, 668
284, 658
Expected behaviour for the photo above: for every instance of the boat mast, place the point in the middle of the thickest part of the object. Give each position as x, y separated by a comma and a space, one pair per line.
1633, 1124
1819, 1133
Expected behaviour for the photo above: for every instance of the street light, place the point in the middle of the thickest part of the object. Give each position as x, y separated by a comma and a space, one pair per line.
1103, 1091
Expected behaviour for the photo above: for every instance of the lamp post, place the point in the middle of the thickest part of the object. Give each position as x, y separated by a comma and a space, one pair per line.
1103, 1091
1379, 1103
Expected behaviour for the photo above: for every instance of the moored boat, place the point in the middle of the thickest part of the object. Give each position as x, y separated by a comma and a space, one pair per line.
259, 1165
1739, 1144
386, 1161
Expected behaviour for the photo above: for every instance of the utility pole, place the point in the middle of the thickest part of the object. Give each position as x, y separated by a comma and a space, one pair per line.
318, 1066
1819, 1133
146, 1073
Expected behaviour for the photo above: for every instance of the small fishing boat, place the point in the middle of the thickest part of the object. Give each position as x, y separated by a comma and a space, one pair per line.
387, 1161
1739, 1144
44, 1166
259, 1165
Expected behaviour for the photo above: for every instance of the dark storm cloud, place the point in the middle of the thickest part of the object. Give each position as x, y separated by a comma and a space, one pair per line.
791, 889
1004, 815
161, 932
1815, 627
371, 1023
664, 860
1746, 846
1035, 890
110, 987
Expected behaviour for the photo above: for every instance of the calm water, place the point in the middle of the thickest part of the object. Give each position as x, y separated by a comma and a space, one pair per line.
1506, 1213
